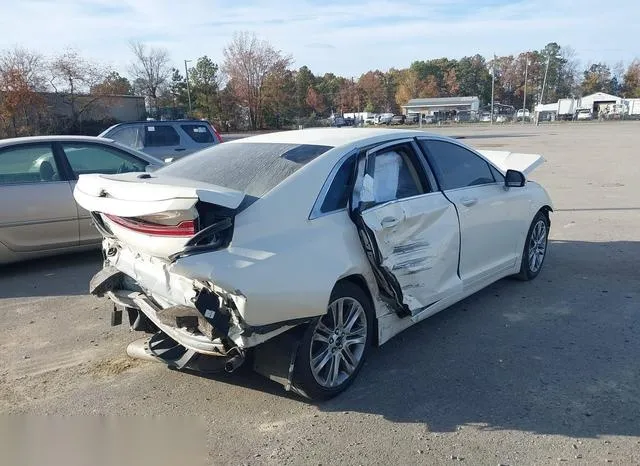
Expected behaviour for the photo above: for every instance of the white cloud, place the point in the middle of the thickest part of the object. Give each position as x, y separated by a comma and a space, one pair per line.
343, 37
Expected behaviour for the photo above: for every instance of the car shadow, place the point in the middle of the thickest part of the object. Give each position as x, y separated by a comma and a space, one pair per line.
557, 355
64, 275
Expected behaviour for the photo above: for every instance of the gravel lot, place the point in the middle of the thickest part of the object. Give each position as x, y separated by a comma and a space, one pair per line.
544, 372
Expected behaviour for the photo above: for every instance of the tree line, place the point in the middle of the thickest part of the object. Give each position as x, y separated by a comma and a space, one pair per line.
255, 86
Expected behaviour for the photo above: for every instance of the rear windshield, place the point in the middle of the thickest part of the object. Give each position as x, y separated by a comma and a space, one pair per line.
251, 167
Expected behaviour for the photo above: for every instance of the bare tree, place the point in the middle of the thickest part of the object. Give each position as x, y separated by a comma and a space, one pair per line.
72, 78
29, 64
248, 61
150, 71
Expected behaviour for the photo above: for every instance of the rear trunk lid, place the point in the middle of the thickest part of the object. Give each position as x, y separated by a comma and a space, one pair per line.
158, 215
505, 160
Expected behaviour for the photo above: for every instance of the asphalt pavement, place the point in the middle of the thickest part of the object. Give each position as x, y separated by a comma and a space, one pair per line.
542, 372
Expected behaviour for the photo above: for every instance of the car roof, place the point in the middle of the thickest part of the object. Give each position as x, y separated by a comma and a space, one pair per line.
157, 122
335, 137
32, 139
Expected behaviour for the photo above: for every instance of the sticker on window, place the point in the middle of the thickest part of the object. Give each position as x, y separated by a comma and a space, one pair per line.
199, 129
151, 128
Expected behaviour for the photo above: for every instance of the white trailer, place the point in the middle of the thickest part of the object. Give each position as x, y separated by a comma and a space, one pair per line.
633, 108
566, 109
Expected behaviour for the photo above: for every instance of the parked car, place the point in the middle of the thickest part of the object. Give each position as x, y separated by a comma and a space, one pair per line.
384, 119
307, 247
397, 120
166, 140
411, 119
428, 119
584, 114
38, 216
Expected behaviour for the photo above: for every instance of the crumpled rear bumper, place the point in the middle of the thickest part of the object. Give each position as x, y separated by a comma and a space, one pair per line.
201, 318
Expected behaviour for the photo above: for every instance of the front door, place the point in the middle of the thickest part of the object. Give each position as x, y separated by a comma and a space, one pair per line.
38, 209
409, 231
491, 217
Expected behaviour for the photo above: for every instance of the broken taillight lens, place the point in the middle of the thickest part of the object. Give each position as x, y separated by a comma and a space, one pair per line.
145, 225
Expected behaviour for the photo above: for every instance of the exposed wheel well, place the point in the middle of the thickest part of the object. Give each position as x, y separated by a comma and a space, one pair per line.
546, 210
359, 281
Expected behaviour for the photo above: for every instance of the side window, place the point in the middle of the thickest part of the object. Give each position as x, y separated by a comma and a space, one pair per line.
457, 167
160, 136
391, 175
28, 164
129, 136
338, 194
94, 158
199, 133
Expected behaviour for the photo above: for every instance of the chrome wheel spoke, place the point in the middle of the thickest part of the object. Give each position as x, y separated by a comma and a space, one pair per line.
321, 338
321, 360
339, 322
354, 315
321, 327
349, 359
334, 370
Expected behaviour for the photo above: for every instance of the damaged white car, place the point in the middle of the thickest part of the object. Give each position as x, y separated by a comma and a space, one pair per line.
301, 249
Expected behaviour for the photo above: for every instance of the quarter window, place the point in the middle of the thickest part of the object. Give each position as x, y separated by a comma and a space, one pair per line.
457, 167
338, 193
199, 133
28, 164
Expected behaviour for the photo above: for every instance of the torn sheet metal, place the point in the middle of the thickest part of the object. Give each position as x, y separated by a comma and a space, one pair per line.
420, 248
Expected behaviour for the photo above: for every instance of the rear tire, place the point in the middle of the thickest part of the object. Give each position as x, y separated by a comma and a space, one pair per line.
335, 345
535, 248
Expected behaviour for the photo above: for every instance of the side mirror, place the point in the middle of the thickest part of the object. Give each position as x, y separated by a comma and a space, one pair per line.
514, 179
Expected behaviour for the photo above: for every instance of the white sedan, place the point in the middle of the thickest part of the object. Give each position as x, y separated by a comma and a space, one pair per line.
304, 248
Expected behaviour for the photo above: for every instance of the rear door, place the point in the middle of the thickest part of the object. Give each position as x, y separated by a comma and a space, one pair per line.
37, 206
163, 141
408, 229
85, 158
492, 218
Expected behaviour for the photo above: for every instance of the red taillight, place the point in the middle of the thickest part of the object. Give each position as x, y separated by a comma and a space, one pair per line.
216, 133
184, 228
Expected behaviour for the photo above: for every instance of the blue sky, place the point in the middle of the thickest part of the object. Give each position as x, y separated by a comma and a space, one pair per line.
341, 36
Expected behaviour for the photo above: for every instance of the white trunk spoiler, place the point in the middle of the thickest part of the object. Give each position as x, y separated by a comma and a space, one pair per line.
505, 160
137, 194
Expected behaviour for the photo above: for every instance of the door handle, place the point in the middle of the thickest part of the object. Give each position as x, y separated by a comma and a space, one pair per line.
389, 222
468, 201
179, 149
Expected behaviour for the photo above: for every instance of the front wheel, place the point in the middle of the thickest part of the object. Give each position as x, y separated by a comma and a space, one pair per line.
335, 344
535, 248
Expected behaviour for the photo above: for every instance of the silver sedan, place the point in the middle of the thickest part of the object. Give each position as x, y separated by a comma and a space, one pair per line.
38, 215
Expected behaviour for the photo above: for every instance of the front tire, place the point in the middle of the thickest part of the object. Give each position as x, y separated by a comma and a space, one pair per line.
535, 248
335, 345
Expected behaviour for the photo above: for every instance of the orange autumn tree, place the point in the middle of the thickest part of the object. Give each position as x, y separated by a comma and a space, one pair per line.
18, 103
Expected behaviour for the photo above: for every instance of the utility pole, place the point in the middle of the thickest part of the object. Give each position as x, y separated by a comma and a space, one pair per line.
544, 83
493, 83
524, 101
186, 70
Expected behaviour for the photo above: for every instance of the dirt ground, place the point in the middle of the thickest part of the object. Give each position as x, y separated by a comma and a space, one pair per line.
544, 372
